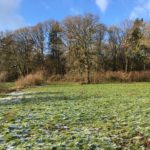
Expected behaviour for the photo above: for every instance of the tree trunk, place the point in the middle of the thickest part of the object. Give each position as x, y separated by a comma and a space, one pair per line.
131, 67
87, 74
114, 63
144, 67
126, 65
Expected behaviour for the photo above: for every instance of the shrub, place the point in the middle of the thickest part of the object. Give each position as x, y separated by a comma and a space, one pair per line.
110, 76
139, 76
96, 77
30, 80
116, 76
54, 78
72, 77
121, 76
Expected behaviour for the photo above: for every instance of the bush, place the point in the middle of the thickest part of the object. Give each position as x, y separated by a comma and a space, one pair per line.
54, 78
139, 76
72, 77
96, 77
111, 76
120, 76
30, 80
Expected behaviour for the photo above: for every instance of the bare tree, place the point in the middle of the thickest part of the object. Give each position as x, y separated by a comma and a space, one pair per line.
115, 41
82, 35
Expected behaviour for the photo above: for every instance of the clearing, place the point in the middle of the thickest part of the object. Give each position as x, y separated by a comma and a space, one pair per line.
74, 116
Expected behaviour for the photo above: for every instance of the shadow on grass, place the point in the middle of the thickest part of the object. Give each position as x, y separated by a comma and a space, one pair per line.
37, 93
40, 97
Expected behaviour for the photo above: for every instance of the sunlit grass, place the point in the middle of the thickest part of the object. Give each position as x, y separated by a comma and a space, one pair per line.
73, 116
5, 87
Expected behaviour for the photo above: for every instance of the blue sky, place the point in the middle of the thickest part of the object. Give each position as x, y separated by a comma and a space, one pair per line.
18, 13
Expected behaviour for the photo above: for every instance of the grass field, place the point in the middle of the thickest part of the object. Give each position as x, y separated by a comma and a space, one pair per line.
4, 88
73, 116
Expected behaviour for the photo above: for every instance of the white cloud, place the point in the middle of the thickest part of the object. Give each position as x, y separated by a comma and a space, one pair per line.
102, 4
9, 17
141, 10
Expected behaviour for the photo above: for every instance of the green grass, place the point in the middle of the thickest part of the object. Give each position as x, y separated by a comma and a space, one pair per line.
101, 116
5, 87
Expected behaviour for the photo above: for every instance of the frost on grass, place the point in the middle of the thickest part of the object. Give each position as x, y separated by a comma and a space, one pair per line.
105, 116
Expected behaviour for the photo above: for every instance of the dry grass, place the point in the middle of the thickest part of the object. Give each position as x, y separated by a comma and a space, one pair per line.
110, 76
143, 76
30, 80
66, 78
54, 78
75, 78
96, 77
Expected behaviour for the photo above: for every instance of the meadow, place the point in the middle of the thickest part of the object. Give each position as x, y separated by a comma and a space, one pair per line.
74, 116
5, 87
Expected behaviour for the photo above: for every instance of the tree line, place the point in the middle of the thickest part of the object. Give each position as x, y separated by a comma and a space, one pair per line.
77, 45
